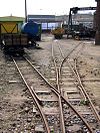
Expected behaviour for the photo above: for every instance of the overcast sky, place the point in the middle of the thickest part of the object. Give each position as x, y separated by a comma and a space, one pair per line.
55, 7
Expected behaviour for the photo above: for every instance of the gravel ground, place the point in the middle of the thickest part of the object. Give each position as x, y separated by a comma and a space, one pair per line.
12, 98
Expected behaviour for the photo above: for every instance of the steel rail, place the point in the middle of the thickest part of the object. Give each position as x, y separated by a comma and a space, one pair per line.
83, 91
80, 86
89, 99
65, 58
34, 98
75, 75
63, 98
70, 50
59, 97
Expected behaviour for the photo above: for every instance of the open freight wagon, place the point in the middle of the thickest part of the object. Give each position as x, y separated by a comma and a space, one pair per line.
12, 41
14, 37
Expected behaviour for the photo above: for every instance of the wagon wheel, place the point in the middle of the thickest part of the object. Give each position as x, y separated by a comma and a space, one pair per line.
76, 37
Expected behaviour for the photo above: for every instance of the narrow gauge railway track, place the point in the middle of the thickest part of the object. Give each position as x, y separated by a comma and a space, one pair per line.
86, 94
34, 97
60, 100
56, 91
58, 94
80, 85
93, 116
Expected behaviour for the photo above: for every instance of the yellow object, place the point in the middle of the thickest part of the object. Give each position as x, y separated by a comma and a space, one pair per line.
58, 31
8, 27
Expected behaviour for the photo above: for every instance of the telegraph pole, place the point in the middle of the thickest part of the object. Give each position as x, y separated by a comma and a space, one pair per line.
97, 37
25, 11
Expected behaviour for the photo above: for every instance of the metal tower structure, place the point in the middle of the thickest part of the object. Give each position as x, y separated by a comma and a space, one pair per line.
25, 11
97, 37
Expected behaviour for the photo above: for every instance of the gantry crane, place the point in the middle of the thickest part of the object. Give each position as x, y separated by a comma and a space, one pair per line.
72, 11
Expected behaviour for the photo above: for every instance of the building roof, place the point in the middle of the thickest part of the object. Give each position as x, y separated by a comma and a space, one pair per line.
11, 19
41, 18
76, 17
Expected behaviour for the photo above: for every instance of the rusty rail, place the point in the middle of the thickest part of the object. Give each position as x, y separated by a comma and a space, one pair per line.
80, 86
88, 98
33, 94
59, 97
58, 93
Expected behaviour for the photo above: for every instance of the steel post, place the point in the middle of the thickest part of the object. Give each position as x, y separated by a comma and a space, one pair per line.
25, 11
97, 37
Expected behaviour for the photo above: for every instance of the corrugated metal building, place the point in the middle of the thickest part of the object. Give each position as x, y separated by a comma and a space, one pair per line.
42, 18
86, 19
48, 21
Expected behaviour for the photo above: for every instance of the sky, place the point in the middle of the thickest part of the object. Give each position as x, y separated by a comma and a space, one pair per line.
47, 7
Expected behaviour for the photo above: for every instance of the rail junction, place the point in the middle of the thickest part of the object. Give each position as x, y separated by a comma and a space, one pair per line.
68, 102
56, 99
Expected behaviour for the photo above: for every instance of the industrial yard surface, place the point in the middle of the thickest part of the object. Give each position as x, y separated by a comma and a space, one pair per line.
17, 109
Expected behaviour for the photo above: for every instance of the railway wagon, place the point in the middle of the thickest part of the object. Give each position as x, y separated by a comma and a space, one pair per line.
33, 30
14, 36
11, 40
14, 43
